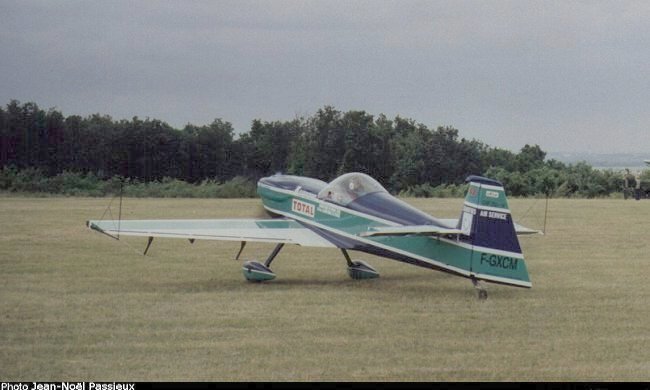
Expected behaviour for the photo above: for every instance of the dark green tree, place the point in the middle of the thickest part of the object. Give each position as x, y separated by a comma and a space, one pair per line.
324, 144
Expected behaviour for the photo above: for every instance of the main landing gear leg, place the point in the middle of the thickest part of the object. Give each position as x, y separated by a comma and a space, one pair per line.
347, 257
255, 271
482, 292
359, 269
275, 252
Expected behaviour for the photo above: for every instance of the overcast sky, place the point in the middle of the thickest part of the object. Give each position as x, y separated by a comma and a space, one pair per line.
567, 75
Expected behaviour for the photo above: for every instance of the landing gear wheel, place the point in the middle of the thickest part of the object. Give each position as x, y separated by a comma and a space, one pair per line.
257, 272
254, 271
482, 295
359, 269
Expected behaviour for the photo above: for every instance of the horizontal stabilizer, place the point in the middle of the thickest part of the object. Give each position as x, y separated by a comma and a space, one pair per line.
412, 229
522, 230
519, 229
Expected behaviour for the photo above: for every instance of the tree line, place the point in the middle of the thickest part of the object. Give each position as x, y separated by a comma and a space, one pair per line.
404, 155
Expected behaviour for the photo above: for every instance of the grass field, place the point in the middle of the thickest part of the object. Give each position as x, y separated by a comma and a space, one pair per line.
77, 305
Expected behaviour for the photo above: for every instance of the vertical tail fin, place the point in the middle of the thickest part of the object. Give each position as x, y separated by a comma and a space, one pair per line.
487, 226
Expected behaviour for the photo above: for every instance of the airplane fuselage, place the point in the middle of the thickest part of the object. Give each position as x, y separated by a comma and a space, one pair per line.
345, 227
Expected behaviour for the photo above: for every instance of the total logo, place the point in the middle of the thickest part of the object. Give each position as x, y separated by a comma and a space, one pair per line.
302, 208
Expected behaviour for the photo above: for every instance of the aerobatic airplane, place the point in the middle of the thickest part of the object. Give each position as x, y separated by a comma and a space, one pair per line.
355, 213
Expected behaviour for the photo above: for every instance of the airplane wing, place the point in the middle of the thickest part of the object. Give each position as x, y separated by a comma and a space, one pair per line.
519, 229
412, 229
261, 230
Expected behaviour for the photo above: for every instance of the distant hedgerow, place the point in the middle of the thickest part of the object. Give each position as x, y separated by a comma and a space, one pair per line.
33, 181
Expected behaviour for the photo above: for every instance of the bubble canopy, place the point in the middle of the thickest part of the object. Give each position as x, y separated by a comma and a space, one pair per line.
347, 188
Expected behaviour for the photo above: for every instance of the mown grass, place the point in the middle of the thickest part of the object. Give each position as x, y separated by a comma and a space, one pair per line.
75, 304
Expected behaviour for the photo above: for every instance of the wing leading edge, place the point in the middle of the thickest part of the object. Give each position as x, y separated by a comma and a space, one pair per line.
261, 230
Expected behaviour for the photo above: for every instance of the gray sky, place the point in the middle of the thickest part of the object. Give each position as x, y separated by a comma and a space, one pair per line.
567, 75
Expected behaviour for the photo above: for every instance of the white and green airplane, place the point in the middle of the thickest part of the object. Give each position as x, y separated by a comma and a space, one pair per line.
355, 213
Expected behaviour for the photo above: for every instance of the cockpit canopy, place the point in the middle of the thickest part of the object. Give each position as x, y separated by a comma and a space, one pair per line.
346, 188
